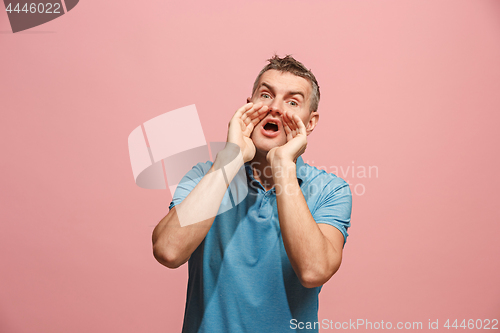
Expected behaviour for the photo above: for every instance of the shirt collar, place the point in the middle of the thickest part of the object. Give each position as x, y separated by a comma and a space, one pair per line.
300, 170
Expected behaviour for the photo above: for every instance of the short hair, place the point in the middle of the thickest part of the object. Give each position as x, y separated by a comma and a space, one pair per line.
290, 65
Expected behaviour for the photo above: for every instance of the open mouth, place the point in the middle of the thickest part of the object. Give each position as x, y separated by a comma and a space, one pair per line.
271, 128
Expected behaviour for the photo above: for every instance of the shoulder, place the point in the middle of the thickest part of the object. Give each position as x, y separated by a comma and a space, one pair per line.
203, 166
312, 176
199, 170
188, 182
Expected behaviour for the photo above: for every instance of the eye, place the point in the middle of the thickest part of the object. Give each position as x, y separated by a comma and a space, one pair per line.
293, 103
264, 95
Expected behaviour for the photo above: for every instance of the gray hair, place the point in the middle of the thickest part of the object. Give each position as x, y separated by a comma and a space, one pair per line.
290, 65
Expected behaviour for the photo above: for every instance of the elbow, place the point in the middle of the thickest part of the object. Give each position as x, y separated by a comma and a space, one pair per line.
316, 278
167, 257
312, 280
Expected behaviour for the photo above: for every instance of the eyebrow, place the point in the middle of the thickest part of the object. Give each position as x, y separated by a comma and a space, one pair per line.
268, 86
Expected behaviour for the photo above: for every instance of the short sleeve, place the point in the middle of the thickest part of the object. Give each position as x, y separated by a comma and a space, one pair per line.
188, 182
334, 206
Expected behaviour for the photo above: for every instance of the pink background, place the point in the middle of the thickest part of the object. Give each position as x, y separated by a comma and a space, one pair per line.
411, 87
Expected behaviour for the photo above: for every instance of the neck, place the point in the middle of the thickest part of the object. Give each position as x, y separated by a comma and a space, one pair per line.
262, 170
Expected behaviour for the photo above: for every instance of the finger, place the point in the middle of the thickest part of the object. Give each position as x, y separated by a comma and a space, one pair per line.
288, 131
285, 120
257, 110
243, 109
249, 129
288, 117
286, 125
250, 113
295, 124
290, 124
300, 125
244, 114
258, 115
250, 122
239, 113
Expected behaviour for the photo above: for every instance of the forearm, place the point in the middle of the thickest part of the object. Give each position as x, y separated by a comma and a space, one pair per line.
313, 257
180, 232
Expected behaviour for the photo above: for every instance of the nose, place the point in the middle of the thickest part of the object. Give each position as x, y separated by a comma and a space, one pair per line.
276, 108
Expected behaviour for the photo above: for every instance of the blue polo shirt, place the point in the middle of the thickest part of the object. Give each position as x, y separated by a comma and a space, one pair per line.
240, 277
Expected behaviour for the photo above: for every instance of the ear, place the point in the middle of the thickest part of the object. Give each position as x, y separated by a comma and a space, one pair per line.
313, 121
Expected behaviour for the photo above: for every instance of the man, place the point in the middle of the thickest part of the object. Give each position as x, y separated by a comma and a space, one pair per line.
259, 266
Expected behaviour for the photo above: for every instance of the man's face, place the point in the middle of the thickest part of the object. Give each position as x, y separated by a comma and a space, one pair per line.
281, 91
